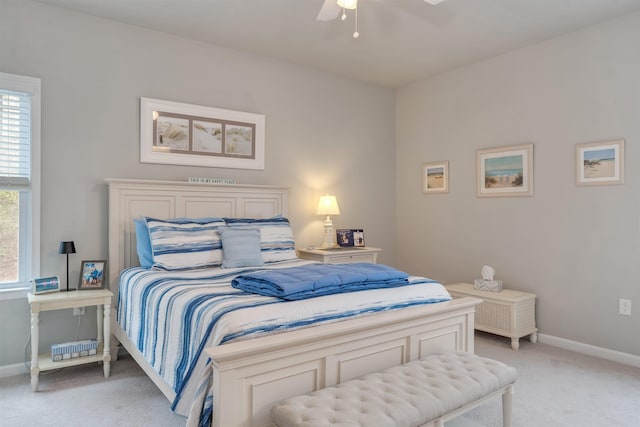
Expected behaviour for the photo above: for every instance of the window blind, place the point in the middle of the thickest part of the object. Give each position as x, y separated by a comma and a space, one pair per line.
15, 139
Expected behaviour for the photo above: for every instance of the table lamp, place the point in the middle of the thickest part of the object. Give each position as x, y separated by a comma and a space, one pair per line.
67, 248
328, 205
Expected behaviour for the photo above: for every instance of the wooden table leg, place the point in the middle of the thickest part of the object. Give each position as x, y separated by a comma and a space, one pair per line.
35, 339
107, 340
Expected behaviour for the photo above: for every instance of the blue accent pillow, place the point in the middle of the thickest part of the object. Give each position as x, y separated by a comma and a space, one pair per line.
240, 247
143, 243
276, 237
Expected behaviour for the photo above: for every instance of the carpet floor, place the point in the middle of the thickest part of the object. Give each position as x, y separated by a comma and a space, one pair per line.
555, 387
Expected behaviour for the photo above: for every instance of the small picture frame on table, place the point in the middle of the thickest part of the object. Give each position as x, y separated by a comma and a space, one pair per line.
93, 275
349, 238
358, 238
45, 285
344, 237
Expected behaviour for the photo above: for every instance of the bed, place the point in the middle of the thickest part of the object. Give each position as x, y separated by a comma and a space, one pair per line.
246, 376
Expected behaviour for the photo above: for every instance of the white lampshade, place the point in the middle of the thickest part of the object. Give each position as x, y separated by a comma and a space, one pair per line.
348, 4
328, 205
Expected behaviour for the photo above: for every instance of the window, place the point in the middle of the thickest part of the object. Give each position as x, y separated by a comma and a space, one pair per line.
19, 180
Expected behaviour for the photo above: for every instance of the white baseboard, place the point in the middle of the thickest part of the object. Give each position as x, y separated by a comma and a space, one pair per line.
13, 370
591, 350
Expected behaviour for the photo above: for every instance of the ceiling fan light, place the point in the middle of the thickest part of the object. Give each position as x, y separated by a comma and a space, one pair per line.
348, 4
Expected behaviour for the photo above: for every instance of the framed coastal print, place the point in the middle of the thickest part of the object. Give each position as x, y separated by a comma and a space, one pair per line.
92, 275
505, 171
600, 163
175, 133
435, 177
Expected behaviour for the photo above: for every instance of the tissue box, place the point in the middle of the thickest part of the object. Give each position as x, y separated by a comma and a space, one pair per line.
488, 285
70, 350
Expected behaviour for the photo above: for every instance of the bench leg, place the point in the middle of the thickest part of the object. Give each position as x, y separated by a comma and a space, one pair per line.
507, 398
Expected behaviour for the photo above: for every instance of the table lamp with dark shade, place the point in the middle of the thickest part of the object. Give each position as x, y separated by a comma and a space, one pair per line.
67, 248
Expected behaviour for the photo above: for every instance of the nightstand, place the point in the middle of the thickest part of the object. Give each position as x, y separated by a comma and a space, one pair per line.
341, 255
507, 313
61, 300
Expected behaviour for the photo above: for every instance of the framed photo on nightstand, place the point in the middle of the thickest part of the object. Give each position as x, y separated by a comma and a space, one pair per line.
348, 238
344, 238
92, 275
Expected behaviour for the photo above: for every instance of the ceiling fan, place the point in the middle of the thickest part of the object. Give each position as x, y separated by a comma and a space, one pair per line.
332, 8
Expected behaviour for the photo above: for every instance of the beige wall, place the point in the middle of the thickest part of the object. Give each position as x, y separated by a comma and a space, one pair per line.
323, 134
577, 248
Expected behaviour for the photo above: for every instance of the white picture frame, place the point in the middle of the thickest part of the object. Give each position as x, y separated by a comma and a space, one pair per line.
600, 163
505, 171
176, 133
435, 177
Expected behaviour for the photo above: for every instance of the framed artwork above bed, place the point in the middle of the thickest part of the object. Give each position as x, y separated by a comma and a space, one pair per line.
194, 135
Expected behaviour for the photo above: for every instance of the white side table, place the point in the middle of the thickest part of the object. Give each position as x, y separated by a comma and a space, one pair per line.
507, 313
101, 298
341, 255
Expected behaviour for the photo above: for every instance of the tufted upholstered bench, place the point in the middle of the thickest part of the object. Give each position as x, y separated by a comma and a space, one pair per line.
425, 392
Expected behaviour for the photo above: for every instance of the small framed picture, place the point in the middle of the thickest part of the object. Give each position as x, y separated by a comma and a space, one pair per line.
348, 238
600, 163
435, 177
344, 238
45, 284
358, 238
92, 275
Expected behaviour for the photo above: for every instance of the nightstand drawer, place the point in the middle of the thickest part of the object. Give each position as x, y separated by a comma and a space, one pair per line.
341, 256
346, 259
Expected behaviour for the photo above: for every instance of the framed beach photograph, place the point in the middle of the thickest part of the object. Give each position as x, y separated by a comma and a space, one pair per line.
505, 171
600, 163
93, 275
435, 177
176, 133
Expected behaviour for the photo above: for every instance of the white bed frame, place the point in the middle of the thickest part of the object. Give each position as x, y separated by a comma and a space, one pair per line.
250, 376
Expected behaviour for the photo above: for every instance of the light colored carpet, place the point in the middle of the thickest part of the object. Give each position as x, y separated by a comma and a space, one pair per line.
555, 387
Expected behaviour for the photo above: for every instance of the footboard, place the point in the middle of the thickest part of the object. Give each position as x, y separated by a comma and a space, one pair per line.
250, 376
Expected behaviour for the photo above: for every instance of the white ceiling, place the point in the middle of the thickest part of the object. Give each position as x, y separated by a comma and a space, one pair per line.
400, 40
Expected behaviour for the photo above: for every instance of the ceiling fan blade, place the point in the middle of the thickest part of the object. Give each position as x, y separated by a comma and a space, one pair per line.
328, 11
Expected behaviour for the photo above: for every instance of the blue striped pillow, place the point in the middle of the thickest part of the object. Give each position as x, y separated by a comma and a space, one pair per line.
185, 243
276, 237
240, 247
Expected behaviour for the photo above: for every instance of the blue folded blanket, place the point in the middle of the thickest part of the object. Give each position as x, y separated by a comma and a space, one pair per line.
314, 280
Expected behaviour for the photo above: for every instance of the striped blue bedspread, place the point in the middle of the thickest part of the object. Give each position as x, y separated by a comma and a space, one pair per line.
172, 316
315, 280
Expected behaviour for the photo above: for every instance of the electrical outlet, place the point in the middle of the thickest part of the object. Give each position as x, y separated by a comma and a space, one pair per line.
78, 311
625, 307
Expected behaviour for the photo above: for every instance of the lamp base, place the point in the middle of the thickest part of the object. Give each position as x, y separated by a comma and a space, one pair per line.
328, 242
68, 290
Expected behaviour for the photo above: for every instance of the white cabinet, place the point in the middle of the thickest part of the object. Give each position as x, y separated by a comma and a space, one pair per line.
507, 313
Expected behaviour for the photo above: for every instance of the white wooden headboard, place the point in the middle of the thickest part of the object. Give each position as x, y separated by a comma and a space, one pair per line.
129, 199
